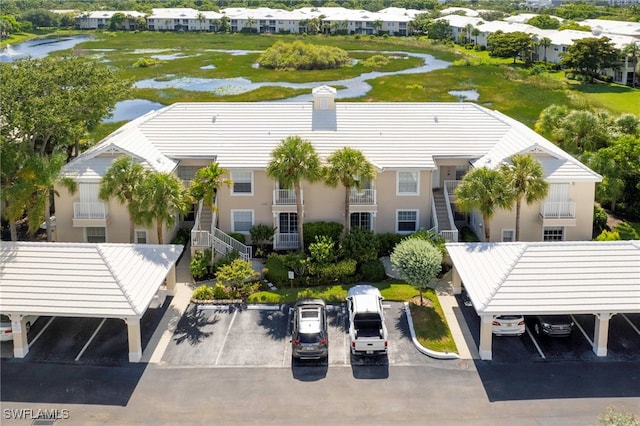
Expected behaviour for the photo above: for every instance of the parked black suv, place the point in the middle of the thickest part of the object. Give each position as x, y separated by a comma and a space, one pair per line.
550, 325
309, 337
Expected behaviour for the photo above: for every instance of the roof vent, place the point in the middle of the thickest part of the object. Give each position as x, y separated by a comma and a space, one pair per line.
324, 98
214, 118
435, 118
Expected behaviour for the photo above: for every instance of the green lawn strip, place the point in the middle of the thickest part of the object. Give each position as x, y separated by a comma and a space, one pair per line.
613, 97
429, 323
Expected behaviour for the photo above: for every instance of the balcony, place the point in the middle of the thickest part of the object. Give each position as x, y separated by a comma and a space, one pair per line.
90, 214
285, 199
362, 197
285, 241
561, 213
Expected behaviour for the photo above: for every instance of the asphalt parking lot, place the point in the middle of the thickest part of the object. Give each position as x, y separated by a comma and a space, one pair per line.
95, 341
260, 336
623, 345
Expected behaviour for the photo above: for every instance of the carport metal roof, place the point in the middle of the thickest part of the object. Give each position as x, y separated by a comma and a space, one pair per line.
82, 280
550, 277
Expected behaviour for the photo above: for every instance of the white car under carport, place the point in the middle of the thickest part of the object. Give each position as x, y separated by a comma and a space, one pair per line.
84, 280
601, 278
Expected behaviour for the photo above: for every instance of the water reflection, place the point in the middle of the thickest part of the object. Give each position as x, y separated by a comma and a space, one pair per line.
39, 48
132, 109
465, 95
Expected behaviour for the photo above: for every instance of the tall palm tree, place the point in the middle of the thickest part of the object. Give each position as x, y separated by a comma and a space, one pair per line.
475, 33
294, 160
632, 50
348, 167
206, 182
120, 182
41, 174
525, 175
485, 190
158, 198
544, 43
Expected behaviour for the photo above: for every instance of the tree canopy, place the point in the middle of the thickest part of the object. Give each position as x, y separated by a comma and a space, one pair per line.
510, 45
589, 55
303, 56
418, 262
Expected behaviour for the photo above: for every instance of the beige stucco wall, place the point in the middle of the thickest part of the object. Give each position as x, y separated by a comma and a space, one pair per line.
531, 224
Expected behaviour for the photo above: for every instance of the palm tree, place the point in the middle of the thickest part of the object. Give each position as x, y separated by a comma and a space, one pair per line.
525, 176
41, 174
632, 50
250, 22
120, 181
475, 33
349, 167
206, 182
200, 17
545, 42
158, 198
485, 190
294, 160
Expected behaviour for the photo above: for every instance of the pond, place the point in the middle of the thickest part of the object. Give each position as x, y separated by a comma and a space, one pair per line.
465, 95
353, 87
132, 109
39, 48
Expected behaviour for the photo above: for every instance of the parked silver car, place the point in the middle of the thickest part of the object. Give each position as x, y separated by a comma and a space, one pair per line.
309, 336
6, 331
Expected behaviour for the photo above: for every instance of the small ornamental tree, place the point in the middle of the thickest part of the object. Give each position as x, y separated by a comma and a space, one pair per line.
236, 273
417, 261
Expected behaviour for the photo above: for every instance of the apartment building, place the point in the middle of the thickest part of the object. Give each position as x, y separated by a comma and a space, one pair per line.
420, 151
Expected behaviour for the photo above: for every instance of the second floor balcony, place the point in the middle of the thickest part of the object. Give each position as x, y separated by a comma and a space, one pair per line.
362, 196
92, 213
286, 197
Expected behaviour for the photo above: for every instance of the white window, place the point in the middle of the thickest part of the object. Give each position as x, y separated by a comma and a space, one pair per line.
242, 182
508, 235
553, 233
408, 183
406, 221
360, 220
96, 235
242, 220
288, 223
187, 173
141, 236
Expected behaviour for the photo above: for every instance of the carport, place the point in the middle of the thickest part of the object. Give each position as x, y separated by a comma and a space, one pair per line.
84, 280
543, 278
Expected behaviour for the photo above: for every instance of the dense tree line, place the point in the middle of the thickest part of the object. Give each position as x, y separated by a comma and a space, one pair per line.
302, 56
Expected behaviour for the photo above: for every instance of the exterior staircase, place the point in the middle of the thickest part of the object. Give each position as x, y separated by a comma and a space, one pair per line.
205, 235
446, 227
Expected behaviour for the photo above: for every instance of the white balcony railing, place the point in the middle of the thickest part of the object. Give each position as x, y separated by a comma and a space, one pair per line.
89, 210
286, 197
558, 210
450, 187
362, 196
285, 241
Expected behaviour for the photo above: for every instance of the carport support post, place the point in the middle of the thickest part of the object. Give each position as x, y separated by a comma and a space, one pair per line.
456, 282
486, 336
19, 330
171, 281
601, 333
135, 341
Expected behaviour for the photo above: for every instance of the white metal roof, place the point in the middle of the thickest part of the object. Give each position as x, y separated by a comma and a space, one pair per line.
82, 280
550, 277
391, 135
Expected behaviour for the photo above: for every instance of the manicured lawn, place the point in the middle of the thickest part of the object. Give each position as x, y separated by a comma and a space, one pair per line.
429, 322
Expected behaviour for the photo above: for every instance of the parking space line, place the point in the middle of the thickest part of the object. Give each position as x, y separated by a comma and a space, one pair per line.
287, 346
86, 345
584, 333
41, 331
235, 313
535, 343
630, 323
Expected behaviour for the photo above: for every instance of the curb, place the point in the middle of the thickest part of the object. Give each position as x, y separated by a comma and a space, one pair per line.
422, 349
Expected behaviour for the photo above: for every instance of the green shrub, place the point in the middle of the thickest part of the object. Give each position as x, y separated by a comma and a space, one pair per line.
599, 220
199, 265
343, 272
236, 274
262, 234
626, 231
312, 230
147, 62
387, 242
608, 236
322, 250
203, 292
238, 236
302, 56
373, 271
182, 236
219, 292
277, 273
376, 61
360, 244
225, 260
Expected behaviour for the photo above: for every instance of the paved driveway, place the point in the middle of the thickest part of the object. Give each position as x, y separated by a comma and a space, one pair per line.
258, 335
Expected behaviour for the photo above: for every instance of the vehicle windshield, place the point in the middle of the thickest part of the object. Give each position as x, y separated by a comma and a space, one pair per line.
310, 337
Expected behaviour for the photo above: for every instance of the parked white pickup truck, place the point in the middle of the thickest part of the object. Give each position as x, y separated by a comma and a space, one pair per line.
367, 331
